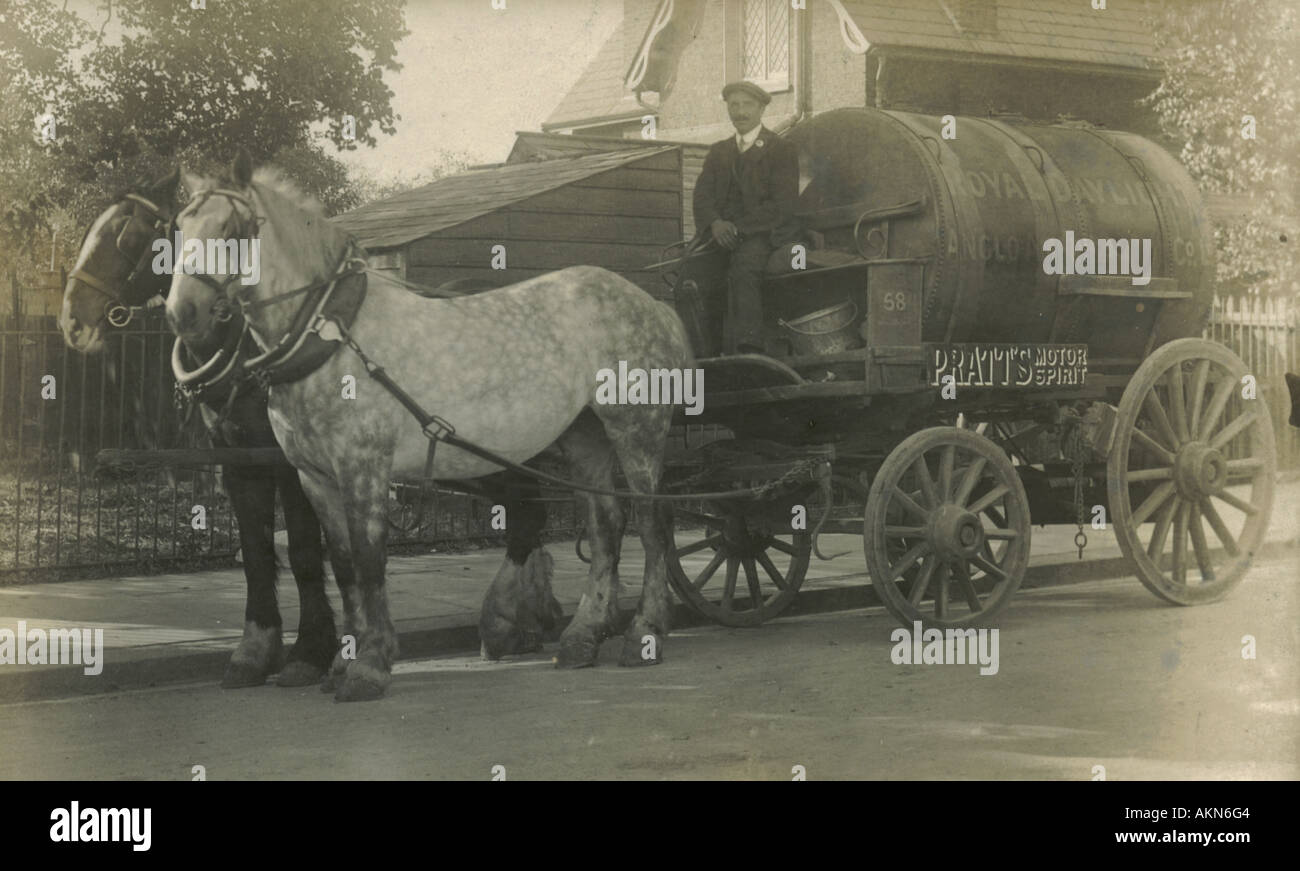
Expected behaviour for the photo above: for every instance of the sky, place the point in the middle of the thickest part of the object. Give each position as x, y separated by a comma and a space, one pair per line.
472, 75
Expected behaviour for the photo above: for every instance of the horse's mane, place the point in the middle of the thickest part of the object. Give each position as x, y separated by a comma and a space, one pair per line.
271, 178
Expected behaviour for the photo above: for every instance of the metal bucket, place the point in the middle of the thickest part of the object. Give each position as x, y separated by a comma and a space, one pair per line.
825, 331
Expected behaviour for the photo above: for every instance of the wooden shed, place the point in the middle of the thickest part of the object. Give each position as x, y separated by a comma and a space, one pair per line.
617, 209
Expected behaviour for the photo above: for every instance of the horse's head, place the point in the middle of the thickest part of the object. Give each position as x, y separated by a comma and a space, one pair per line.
219, 254
113, 274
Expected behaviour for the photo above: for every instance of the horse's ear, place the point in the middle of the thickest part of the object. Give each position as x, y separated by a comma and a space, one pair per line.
194, 182
165, 188
241, 169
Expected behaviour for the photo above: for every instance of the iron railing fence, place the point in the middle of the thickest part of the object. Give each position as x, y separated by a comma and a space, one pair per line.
58, 409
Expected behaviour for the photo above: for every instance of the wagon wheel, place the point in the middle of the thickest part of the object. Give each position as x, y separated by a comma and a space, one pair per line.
1186, 436
751, 570
963, 539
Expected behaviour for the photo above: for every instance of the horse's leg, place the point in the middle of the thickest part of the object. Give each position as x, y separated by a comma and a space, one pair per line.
591, 461
519, 610
252, 495
328, 502
363, 486
638, 434
317, 640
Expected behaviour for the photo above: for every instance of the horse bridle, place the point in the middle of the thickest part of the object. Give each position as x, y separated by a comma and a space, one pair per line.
116, 312
236, 226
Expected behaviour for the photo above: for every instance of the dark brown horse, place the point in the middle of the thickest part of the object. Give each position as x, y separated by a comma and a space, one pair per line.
515, 370
114, 281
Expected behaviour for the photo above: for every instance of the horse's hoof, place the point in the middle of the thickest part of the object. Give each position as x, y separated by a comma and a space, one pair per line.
364, 682
297, 673
578, 653
642, 649
241, 675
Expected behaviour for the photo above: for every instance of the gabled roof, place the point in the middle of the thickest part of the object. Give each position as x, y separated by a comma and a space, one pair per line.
599, 93
1029, 30
1059, 30
455, 199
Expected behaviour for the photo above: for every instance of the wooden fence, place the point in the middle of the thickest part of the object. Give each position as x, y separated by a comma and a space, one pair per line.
1263, 333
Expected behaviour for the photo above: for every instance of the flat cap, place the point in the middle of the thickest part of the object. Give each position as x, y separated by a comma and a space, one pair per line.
748, 88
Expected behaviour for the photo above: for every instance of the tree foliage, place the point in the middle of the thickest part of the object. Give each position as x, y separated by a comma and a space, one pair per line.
1225, 60
169, 83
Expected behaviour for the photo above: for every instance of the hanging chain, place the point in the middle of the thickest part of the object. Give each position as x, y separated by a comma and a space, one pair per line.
1076, 446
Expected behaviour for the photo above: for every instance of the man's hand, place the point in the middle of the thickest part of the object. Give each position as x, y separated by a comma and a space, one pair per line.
725, 233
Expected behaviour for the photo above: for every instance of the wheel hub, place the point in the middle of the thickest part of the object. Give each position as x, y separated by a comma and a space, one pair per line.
956, 533
1199, 470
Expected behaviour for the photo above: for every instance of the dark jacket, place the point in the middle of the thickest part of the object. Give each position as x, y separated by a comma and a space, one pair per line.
756, 190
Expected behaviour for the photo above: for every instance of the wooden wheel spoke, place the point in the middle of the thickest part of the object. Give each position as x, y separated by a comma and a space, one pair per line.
768, 566
946, 461
922, 472
1156, 414
1178, 403
1001, 534
904, 531
1163, 453
910, 504
729, 588
703, 578
1157, 544
918, 550
967, 587
1154, 501
1160, 474
989, 498
689, 549
1199, 545
1232, 430
990, 567
1178, 566
1220, 528
1246, 464
1222, 391
1198, 394
777, 544
922, 581
751, 580
969, 480
1237, 502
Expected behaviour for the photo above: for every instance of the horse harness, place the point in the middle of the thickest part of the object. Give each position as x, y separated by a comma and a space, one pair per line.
322, 324
117, 312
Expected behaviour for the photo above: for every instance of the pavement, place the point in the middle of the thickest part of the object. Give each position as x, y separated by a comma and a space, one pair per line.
174, 627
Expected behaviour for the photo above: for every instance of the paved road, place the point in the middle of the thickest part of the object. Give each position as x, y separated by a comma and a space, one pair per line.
1092, 674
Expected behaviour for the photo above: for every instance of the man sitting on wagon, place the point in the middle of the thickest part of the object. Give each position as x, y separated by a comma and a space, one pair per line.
744, 202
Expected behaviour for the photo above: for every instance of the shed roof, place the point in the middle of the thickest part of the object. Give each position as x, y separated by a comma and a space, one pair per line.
455, 199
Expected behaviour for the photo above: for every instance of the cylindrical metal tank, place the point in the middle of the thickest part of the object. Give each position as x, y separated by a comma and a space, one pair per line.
989, 198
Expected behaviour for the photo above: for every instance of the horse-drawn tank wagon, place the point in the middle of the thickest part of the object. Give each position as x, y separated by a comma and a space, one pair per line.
978, 332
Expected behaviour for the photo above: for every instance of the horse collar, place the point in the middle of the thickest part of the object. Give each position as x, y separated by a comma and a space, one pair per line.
305, 347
